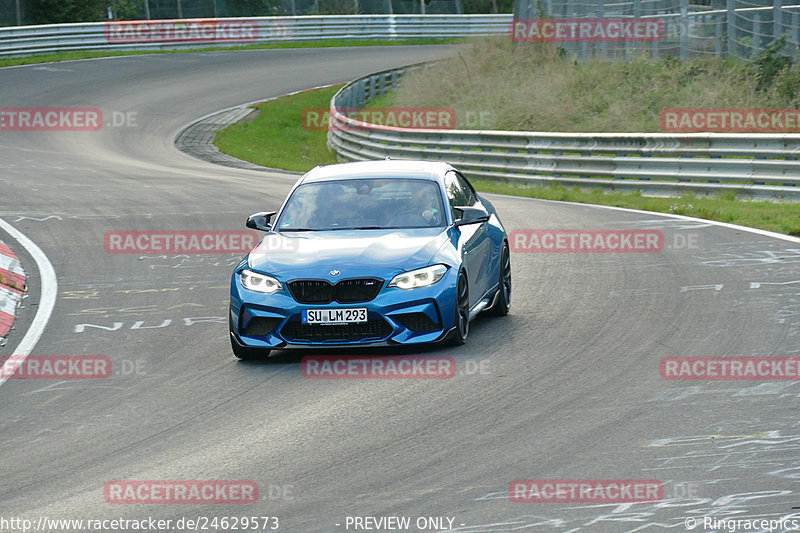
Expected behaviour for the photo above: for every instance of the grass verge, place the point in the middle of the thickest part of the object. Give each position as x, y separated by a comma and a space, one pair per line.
536, 87
71, 56
277, 139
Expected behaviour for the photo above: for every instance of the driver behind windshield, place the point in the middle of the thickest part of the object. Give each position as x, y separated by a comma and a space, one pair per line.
427, 205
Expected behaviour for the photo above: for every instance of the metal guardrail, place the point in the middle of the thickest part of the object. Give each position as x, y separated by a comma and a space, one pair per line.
690, 30
761, 165
167, 34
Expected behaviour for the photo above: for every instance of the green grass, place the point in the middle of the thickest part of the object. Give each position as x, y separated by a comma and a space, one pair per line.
385, 100
276, 138
70, 56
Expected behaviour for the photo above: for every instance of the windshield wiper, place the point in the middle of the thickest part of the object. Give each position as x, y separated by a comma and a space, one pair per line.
299, 229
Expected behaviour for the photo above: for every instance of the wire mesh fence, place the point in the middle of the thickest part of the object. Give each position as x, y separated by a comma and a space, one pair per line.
719, 28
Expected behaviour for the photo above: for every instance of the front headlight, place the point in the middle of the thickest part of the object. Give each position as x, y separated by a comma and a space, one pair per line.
259, 282
422, 277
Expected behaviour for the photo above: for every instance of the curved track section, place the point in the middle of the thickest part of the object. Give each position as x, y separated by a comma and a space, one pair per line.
565, 387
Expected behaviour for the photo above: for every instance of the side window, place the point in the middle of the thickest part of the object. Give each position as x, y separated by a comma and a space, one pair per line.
455, 192
469, 192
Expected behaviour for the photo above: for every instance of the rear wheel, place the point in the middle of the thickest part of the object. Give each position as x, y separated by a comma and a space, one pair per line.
462, 312
503, 302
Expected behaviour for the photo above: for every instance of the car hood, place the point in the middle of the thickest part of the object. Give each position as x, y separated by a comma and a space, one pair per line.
354, 253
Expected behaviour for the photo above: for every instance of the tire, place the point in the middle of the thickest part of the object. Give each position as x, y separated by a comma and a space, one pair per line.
503, 303
246, 353
461, 331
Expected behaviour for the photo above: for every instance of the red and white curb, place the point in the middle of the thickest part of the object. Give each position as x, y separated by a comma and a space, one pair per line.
12, 286
46, 303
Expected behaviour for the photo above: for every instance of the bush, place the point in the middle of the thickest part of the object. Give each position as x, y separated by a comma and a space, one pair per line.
769, 64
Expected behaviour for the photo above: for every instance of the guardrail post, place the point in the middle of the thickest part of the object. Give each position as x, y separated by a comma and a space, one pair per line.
362, 94
386, 84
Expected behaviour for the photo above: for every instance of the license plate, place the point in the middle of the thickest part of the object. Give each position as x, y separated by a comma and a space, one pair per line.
334, 316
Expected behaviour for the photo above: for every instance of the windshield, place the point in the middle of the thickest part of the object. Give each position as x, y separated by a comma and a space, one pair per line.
370, 203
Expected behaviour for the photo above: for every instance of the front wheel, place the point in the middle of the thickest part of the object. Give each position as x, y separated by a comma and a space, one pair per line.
462, 312
503, 302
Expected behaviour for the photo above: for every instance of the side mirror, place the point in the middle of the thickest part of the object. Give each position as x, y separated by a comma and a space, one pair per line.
260, 221
470, 215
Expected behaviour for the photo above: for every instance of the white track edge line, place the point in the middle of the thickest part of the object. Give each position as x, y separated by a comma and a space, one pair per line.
757, 231
47, 301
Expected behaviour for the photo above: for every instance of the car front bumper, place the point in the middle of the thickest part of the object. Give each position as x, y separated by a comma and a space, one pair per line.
395, 316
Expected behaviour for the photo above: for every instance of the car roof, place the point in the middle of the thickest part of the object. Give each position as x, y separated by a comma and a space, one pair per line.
387, 168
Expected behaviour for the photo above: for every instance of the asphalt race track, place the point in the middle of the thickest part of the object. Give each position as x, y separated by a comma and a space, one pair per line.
566, 387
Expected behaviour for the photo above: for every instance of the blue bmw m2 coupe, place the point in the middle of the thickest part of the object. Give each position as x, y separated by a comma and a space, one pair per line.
370, 253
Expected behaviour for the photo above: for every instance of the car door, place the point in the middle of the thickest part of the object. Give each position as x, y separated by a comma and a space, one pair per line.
474, 241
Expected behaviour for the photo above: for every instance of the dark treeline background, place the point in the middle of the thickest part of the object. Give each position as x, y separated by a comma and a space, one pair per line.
13, 12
